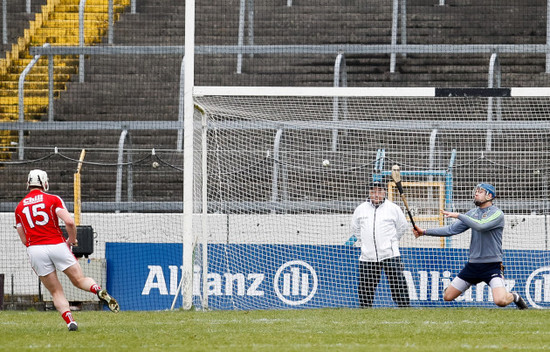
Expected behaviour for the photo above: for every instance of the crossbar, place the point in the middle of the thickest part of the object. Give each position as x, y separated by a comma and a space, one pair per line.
412, 92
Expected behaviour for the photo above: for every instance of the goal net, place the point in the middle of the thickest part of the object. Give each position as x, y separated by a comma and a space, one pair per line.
286, 167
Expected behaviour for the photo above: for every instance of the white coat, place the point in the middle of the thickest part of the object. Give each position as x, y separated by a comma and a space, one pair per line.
379, 229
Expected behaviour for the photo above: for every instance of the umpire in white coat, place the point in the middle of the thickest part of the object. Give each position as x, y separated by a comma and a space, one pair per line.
380, 224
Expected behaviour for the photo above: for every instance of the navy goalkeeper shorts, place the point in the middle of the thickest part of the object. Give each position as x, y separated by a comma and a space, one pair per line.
476, 272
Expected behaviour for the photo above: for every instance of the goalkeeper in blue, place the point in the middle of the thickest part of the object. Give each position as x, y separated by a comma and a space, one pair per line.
485, 261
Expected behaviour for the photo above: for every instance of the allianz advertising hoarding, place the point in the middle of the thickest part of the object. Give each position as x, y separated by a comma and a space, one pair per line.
145, 276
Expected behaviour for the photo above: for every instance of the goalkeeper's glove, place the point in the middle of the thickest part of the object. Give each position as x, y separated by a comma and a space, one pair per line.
351, 241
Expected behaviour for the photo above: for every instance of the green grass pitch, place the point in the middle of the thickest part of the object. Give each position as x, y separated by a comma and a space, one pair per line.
450, 329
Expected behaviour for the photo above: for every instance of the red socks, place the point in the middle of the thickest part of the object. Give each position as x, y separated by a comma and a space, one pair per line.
95, 289
68, 317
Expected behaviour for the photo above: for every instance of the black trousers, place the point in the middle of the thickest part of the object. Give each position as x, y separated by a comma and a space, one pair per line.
369, 276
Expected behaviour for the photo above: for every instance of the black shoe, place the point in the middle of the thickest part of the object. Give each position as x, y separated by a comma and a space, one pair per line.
111, 302
520, 303
72, 326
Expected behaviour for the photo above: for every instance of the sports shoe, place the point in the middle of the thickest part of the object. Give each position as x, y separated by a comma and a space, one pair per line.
110, 301
520, 303
72, 326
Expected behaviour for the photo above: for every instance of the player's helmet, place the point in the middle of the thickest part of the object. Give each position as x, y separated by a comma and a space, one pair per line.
38, 178
488, 188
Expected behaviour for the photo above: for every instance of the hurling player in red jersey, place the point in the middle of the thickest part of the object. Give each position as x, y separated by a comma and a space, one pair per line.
37, 222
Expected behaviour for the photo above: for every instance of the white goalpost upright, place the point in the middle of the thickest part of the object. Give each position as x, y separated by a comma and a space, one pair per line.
188, 155
274, 220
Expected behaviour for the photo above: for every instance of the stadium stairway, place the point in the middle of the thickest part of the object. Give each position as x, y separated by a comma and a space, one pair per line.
56, 23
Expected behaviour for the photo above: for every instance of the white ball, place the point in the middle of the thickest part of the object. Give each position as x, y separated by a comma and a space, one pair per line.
155, 165
326, 163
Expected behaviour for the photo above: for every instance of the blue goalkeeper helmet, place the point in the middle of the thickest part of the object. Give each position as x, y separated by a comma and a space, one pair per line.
487, 187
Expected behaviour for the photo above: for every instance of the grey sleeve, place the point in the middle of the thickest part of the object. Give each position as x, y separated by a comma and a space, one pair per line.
493, 221
454, 229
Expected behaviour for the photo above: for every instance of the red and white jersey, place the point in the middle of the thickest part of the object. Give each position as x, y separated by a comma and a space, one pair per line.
37, 214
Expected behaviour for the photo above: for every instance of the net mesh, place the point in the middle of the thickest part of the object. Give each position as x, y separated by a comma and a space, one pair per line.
286, 173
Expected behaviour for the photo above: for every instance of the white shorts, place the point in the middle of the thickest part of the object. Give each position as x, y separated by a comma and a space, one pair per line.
46, 258
463, 285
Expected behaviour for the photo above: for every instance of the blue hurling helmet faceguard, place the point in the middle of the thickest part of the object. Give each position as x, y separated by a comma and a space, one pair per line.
487, 187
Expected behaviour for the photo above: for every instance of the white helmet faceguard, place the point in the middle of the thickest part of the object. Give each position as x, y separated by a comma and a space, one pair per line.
38, 178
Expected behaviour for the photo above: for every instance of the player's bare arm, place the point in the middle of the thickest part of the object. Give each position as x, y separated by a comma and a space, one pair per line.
21, 234
70, 225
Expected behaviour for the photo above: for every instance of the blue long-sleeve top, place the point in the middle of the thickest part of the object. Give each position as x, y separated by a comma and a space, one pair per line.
487, 225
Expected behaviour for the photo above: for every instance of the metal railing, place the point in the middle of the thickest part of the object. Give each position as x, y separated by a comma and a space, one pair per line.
279, 196
337, 50
120, 165
181, 104
82, 4
244, 6
110, 22
340, 80
81, 7
340, 74
394, 28
494, 82
323, 49
5, 18
21, 100
548, 35
229, 207
81, 29
4, 22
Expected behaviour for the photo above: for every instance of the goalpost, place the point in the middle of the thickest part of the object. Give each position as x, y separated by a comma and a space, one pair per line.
279, 171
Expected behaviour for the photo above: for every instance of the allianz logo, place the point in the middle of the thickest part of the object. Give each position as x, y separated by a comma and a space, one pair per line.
429, 286
537, 288
296, 282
